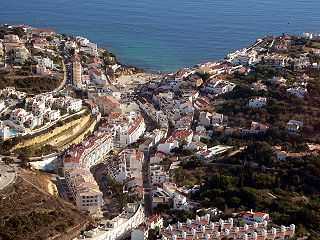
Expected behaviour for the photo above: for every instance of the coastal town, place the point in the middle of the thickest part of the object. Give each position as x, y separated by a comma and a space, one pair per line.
226, 149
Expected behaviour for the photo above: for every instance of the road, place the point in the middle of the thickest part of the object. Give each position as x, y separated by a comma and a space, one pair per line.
147, 184
64, 80
8, 176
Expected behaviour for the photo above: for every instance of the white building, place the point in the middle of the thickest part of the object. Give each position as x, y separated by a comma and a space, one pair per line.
84, 190
2, 105
294, 126
21, 54
298, 92
134, 130
278, 80
257, 102
45, 62
72, 104
131, 217
276, 60
4, 132
77, 74
244, 59
90, 151
141, 232
175, 140
251, 217
212, 152
159, 177
52, 115
255, 128
218, 86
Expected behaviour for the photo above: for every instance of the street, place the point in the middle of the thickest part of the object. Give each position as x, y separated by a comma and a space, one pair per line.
8, 176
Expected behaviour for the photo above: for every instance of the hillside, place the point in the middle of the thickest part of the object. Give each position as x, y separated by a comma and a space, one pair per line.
29, 209
27, 82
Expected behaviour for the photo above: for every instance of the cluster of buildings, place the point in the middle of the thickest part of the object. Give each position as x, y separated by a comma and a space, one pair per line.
120, 226
44, 108
45, 65
10, 93
181, 107
12, 43
76, 165
255, 227
202, 228
120, 130
38, 47
127, 167
126, 128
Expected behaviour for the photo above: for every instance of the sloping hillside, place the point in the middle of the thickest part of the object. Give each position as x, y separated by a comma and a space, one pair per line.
29, 209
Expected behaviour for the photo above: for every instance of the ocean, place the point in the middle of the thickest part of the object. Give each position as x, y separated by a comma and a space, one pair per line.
170, 34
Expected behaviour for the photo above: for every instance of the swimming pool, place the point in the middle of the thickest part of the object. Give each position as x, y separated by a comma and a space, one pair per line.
13, 132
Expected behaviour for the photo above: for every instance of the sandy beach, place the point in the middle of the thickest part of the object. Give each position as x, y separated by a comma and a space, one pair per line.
136, 79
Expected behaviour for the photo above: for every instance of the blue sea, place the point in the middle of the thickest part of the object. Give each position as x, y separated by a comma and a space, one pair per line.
166, 35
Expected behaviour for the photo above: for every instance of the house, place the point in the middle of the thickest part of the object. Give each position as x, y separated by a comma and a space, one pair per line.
43, 32
98, 76
21, 54
250, 217
244, 59
146, 145
159, 177
282, 155
218, 86
4, 132
205, 118
212, 152
11, 38
84, 190
135, 181
72, 104
2, 105
218, 118
142, 231
257, 102
46, 62
193, 80
301, 62
175, 140
52, 115
42, 70
77, 74
209, 119
157, 158
89, 152
259, 86
134, 129
107, 104
231, 130
202, 104
278, 80
276, 60
294, 126
255, 128
196, 146
40, 43
299, 92
159, 196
